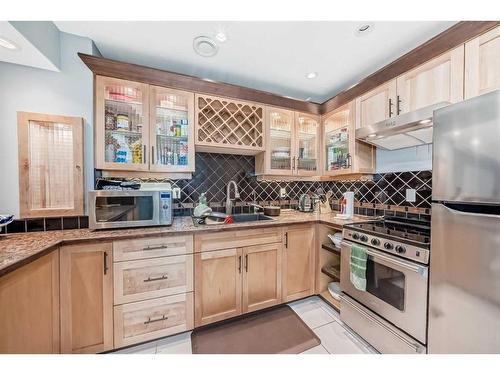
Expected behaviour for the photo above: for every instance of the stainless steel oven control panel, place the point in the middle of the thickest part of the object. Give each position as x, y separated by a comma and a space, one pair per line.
388, 245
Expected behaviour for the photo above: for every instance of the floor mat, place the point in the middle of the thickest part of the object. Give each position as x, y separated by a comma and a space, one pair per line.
275, 331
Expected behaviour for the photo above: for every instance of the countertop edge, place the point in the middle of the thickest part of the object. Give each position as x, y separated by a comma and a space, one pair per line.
192, 230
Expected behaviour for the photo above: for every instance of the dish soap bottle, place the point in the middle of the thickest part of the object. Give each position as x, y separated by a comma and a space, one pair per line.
202, 207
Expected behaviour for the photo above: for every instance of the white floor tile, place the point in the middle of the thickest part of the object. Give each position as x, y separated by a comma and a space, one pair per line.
178, 344
316, 350
338, 340
310, 311
330, 310
148, 348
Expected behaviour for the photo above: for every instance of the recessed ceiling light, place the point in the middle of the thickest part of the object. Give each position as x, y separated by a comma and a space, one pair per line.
205, 46
6, 43
308, 98
311, 75
364, 29
221, 36
426, 121
372, 135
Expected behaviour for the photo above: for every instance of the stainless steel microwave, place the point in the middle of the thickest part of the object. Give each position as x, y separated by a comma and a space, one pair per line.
110, 209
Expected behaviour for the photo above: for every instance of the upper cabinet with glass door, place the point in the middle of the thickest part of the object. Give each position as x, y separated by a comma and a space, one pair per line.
172, 130
342, 153
306, 144
121, 124
338, 141
280, 141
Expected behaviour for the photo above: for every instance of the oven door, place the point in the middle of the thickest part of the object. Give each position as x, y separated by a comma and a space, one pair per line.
396, 289
121, 209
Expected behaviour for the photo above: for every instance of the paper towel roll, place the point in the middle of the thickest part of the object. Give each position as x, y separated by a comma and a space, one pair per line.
349, 198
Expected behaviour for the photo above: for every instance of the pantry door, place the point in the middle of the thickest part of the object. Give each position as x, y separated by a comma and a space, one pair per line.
171, 130
121, 124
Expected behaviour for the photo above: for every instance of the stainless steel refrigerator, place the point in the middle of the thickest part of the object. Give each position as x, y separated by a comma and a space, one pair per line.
464, 294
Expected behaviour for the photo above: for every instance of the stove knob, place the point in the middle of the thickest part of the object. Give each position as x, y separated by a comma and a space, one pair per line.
400, 249
388, 246
363, 238
355, 236
375, 241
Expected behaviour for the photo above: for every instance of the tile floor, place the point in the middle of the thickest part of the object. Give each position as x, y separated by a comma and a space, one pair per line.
336, 338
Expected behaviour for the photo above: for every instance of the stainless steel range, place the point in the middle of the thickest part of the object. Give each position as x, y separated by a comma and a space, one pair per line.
391, 313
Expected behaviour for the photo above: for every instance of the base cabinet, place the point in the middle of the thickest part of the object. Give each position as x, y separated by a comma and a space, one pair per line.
217, 285
147, 320
29, 308
298, 263
86, 298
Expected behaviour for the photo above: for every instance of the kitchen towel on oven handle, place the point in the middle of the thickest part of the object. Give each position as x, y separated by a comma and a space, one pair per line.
359, 257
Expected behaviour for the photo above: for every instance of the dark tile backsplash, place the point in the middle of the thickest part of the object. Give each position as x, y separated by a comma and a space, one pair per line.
384, 195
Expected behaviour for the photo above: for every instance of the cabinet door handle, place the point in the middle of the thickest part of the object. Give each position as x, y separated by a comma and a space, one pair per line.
152, 154
149, 279
286, 240
349, 161
293, 163
144, 154
163, 317
398, 105
239, 264
105, 254
390, 107
246, 262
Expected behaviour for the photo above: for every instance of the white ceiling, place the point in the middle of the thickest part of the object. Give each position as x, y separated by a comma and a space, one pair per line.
27, 54
269, 56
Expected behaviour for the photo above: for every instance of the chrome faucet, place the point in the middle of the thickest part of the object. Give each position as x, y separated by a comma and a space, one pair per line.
229, 202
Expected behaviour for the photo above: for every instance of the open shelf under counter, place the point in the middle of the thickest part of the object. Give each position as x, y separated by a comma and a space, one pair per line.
331, 248
326, 296
332, 271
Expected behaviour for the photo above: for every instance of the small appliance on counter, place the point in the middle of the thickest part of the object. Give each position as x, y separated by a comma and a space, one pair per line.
151, 205
308, 202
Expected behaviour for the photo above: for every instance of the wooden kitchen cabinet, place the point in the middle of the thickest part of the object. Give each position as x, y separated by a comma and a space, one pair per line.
171, 130
143, 128
438, 80
217, 285
86, 298
342, 153
29, 308
298, 263
376, 105
261, 276
482, 60
292, 144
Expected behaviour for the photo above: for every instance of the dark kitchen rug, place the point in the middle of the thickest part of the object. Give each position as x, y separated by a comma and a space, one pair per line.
275, 331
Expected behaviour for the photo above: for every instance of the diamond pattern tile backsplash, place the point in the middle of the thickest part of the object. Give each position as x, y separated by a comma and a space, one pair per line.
385, 194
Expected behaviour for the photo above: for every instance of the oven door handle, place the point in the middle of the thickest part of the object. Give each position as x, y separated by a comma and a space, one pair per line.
368, 316
421, 270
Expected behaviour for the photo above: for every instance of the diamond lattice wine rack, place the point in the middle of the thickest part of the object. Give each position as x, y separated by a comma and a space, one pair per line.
225, 125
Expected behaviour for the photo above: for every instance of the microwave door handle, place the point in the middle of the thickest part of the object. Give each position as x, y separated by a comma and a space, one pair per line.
376, 255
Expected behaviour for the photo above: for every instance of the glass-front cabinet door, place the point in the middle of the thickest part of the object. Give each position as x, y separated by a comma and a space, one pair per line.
306, 144
338, 141
122, 129
280, 135
172, 130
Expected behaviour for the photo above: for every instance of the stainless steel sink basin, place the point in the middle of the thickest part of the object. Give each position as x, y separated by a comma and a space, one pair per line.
244, 218
237, 218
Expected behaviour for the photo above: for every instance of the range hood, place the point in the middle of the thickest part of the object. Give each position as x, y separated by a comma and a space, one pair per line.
406, 130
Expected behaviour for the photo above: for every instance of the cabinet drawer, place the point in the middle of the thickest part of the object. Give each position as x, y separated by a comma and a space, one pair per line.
148, 320
143, 248
138, 280
237, 238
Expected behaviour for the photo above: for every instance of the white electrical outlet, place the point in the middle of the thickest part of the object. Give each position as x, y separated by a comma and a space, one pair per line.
282, 192
411, 195
176, 193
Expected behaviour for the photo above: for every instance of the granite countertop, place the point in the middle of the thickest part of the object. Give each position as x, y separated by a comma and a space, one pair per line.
19, 249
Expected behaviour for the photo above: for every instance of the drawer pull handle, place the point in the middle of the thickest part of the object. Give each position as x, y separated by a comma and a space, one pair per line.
155, 247
149, 279
163, 317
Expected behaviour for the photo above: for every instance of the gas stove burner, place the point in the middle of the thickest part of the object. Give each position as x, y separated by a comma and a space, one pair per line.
400, 236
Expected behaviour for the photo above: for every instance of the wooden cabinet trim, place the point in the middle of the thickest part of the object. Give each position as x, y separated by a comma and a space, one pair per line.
144, 248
